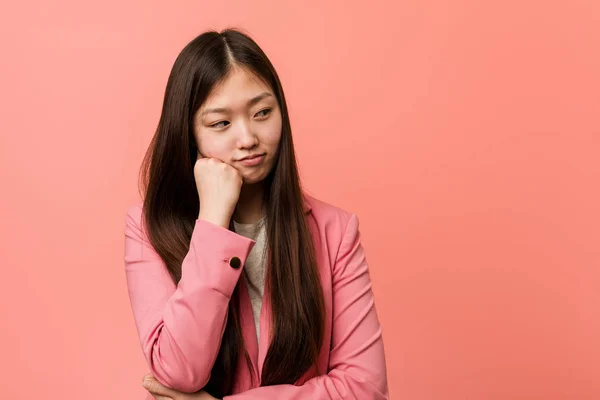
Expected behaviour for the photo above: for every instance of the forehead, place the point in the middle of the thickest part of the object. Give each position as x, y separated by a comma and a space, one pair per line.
237, 87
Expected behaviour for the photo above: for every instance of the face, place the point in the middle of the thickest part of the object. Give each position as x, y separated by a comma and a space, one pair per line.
240, 118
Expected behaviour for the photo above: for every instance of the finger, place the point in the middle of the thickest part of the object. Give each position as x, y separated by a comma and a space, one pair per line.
157, 388
218, 160
239, 172
157, 397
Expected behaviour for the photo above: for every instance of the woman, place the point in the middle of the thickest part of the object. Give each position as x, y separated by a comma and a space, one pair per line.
242, 285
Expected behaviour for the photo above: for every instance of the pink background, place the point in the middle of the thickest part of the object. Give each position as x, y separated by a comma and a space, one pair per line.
464, 134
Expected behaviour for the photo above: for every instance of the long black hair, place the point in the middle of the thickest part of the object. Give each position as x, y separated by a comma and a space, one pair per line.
171, 206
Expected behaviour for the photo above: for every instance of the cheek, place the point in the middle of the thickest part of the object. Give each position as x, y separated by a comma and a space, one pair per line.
272, 140
272, 136
214, 147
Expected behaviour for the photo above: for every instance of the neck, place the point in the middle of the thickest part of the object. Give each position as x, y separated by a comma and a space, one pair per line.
250, 206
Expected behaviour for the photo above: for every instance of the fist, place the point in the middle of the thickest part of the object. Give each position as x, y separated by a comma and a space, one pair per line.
218, 186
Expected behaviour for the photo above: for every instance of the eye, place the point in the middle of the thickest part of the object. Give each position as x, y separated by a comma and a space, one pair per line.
216, 124
267, 111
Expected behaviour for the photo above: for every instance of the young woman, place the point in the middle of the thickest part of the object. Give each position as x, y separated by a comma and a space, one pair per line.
242, 285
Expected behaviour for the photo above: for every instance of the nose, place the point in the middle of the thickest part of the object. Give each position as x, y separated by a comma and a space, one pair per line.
246, 138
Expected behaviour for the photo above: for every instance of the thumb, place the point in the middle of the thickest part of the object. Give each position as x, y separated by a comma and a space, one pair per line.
155, 387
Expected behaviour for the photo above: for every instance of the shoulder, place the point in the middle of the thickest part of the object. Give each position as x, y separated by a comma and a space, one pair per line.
322, 208
133, 216
331, 219
134, 211
338, 233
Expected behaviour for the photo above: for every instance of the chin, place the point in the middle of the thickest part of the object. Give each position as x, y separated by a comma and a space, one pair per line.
251, 181
253, 178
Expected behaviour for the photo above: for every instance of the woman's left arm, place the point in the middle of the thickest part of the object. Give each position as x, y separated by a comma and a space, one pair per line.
357, 362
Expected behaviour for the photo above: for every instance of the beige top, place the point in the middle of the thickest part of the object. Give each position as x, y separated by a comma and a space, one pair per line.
254, 268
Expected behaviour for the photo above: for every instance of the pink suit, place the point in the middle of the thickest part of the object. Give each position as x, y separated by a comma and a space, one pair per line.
180, 327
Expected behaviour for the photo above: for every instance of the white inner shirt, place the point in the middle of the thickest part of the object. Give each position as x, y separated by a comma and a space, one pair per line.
254, 268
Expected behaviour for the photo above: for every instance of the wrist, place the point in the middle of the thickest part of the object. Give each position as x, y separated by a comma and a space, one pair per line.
217, 220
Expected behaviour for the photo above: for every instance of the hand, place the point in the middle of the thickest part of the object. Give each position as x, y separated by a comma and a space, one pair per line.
218, 186
161, 392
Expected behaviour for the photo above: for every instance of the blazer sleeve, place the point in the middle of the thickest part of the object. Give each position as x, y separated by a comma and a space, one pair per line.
180, 327
357, 368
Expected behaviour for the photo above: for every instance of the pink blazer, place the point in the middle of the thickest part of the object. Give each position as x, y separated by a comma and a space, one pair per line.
180, 327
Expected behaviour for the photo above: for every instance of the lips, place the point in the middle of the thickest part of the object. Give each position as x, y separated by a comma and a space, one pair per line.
251, 157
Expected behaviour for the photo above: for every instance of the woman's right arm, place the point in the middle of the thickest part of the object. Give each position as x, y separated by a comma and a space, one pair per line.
181, 327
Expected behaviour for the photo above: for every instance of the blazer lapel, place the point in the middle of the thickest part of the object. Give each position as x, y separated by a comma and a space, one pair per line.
248, 327
265, 328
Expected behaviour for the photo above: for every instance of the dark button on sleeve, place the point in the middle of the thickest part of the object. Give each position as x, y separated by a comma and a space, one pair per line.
235, 262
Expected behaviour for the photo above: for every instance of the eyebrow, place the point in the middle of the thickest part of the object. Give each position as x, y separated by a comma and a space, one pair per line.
250, 103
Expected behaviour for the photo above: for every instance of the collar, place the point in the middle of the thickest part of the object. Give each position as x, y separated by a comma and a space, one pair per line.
306, 203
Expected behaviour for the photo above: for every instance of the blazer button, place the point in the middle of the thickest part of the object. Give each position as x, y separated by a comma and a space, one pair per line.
235, 262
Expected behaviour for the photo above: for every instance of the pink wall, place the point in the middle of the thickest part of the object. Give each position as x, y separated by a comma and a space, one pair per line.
465, 135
